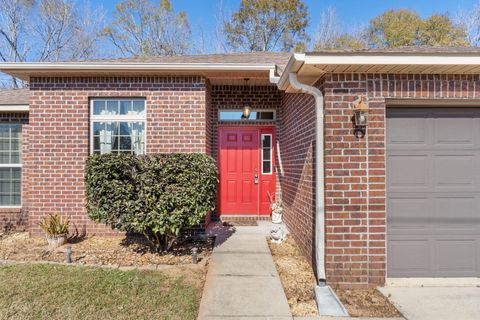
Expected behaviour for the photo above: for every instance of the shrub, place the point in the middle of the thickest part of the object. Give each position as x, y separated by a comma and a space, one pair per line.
54, 225
156, 195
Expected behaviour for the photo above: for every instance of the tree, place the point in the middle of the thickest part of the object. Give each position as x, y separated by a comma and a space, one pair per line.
14, 47
439, 30
396, 28
347, 41
329, 36
469, 21
265, 25
49, 30
328, 29
56, 27
141, 28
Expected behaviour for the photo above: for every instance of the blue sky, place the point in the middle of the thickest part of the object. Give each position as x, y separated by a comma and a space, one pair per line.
351, 13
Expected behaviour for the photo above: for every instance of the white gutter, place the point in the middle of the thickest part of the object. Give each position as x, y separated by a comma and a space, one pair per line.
319, 175
273, 78
17, 107
100, 66
383, 59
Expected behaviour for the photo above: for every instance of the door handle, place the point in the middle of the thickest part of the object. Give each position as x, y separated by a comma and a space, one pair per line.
255, 179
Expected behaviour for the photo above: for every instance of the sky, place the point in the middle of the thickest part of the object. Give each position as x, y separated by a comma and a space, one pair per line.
351, 13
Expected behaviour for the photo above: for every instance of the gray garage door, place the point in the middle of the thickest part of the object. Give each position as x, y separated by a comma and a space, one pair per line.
433, 192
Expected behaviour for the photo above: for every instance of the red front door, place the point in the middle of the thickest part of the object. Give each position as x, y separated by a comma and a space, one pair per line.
246, 169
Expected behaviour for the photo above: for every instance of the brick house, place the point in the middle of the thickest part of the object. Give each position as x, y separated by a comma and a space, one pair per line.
398, 196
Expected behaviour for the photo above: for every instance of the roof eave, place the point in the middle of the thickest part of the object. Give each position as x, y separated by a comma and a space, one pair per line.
24, 70
392, 59
294, 64
312, 66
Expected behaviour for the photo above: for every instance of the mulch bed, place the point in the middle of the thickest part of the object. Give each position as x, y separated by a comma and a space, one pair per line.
297, 278
117, 251
367, 303
298, 281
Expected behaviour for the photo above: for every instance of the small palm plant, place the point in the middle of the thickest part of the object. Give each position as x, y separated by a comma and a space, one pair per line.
55, 228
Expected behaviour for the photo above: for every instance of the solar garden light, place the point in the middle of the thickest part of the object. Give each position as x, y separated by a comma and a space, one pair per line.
68, 254
194, 255
360, 118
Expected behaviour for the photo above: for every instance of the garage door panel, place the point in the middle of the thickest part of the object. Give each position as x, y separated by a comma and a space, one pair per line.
451, 129
412, 217
433, 192
408, 170
453, 215
408, 131
456, 257
454, 170
407, 257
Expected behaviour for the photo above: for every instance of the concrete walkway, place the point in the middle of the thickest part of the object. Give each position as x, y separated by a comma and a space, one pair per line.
242, 281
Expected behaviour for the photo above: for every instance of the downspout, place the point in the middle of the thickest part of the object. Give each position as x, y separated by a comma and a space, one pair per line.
319, 176
327, 301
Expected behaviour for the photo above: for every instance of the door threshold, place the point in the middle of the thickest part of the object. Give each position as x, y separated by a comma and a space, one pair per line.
244, 217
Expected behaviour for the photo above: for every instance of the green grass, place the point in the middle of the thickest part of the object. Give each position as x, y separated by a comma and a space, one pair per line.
66, 292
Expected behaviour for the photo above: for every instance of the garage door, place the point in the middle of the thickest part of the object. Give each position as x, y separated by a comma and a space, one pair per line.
433, 192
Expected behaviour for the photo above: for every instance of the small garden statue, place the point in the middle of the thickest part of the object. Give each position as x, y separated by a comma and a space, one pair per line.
277, 233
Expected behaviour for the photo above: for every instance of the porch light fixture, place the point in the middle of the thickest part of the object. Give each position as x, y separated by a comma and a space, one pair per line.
247, 110
360, 118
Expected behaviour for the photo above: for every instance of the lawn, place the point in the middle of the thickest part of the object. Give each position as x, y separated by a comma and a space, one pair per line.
43, 291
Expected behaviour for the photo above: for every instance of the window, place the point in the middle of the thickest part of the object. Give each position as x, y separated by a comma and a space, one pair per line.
266, 154
10, 165
255, 115
118, 125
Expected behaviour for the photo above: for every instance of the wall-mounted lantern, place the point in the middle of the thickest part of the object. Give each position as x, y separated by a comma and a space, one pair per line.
246, 111
360, 118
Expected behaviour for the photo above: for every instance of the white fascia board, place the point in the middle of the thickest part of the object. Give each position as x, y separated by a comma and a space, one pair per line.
392, 60
38, 66
15, 107
294, 64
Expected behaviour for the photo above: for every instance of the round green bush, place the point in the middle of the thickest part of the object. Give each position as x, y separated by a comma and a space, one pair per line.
156, 195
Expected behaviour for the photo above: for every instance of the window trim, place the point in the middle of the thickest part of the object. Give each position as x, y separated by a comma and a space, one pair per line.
116, 118
271, 153
247, 120
15, 165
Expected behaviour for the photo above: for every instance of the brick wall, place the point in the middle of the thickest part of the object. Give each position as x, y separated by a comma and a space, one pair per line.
13, 218
297, 179
235, 97
355, 169
59, 131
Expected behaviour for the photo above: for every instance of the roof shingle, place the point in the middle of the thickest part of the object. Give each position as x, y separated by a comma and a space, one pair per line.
14, 96
279, 58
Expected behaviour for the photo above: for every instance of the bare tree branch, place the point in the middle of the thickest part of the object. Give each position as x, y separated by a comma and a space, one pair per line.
141, 27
